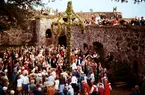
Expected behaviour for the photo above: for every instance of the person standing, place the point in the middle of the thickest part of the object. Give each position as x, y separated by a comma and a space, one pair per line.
100, 86
108, 87
86, 89
25, 83
50, 89
19, 85
62, 84
74, 82
94, 90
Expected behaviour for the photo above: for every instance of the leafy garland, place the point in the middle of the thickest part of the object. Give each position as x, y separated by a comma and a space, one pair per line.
56, 33
80, 22
67, 12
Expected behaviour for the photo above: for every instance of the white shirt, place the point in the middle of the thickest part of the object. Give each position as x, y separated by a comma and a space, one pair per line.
51, 79
74, 79
25, 80
92, 77
74, 66
53, 74
70, 91
38, 79
85, 78
46, 83
19, 82
83, 62
21, 76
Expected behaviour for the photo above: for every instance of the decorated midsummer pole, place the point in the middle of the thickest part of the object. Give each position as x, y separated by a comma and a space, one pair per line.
69, 13
69, 33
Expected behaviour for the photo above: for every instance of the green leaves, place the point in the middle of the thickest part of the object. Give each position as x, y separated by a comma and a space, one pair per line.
15, 13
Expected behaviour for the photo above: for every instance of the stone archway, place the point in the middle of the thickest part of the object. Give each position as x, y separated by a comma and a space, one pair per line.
62, 40
98, 47
48, 33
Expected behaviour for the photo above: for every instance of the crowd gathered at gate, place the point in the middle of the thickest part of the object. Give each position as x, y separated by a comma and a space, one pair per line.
40, 70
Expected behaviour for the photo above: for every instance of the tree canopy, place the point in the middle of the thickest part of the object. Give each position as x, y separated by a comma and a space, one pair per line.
16, 12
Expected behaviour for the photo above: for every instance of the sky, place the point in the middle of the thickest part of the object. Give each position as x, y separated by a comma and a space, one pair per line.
129, 10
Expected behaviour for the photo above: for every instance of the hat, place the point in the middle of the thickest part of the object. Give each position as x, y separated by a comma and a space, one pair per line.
5, 70
12, 92
5, 88
39, 89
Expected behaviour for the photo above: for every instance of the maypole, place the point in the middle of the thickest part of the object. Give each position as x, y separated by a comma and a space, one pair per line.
68, 14
69, 34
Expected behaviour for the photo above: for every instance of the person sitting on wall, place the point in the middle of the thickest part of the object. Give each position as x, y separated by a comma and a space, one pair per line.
142, 21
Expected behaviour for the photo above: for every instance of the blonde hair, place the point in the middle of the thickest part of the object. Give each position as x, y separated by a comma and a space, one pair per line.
32, 81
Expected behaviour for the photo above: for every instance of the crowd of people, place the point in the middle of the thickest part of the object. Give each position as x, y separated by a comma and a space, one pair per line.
102, 19
115, 20
40, 70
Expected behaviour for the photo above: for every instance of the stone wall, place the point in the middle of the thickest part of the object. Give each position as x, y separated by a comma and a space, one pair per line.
125, 43
41, 27
15, 37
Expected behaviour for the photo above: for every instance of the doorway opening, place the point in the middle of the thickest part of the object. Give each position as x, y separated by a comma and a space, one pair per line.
62, 40
48, 33
98, 47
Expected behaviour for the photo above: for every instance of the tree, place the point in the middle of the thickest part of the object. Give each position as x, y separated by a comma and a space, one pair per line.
14, 13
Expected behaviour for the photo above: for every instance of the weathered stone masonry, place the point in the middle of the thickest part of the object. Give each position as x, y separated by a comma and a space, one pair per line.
125, 43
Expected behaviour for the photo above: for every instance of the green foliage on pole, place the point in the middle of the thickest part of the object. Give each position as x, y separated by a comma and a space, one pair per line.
69, 13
